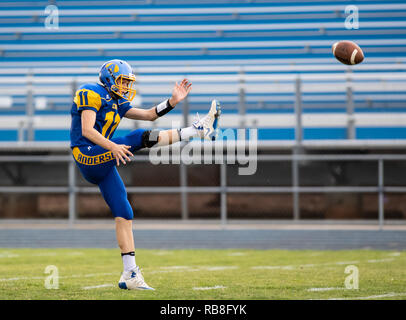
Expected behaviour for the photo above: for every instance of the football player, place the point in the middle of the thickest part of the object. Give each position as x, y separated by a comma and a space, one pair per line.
96, 112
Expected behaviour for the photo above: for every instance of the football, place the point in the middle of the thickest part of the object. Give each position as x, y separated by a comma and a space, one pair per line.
348, 52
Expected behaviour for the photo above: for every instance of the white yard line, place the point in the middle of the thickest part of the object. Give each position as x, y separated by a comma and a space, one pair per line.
21, 278
99, 286
380, 260
174, 270
340, 263
65, 277
176, 267
312, 265
394, 254
209, 288
323, 289
219, 268
203, 268
75, 253
274, 267
237, 254
7, 254
387, 295
300, 266
162, 253
192, 269
43, 254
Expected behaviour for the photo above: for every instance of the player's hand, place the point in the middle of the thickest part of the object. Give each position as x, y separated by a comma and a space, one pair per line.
121, 153
180, 91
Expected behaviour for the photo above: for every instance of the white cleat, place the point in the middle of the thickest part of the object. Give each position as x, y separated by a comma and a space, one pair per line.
208, 125
133, 280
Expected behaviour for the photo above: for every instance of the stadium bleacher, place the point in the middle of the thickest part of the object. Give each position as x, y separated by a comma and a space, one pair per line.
247, 54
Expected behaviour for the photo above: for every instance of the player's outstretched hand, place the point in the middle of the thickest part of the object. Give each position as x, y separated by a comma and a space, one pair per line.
121, 153
180, 91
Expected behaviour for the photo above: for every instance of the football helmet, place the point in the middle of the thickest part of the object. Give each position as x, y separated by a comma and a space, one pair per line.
117, 76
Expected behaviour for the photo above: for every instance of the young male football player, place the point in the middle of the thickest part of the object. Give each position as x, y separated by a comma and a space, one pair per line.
96, 112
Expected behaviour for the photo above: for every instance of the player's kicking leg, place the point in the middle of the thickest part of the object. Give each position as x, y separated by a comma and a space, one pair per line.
203, 128
206, 127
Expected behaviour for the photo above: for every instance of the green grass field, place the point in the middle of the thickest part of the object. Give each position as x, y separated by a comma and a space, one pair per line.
204, 274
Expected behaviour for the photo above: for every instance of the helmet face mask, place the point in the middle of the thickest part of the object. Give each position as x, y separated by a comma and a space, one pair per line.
116, 75
124, 87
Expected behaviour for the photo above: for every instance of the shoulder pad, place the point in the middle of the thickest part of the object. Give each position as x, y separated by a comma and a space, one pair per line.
88, 96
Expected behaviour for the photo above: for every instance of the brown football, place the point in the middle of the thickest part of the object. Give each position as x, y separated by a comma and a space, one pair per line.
347, 52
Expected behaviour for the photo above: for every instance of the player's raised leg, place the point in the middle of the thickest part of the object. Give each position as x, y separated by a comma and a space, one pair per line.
208, 125
203, 128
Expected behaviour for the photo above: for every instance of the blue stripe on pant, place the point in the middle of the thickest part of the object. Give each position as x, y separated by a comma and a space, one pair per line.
106, 176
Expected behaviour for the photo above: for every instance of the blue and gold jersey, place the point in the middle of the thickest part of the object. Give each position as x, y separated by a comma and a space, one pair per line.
109, 111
